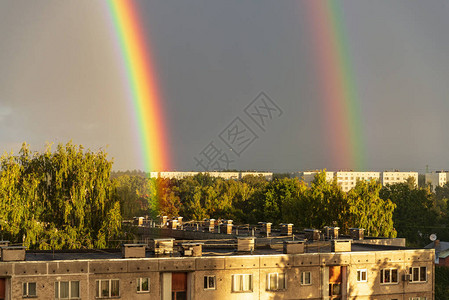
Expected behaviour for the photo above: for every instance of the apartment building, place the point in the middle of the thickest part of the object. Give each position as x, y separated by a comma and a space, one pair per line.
309, 176
388, 178
217, 174
348, 180
267, 175
438, 178
321, 269
173, 175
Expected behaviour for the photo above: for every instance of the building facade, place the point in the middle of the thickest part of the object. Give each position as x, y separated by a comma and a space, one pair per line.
217, 174
348, 179
389, 178
438, 178
360, 272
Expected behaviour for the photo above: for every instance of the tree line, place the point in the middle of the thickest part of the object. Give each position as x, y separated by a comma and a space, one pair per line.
254, 199
402, 210
69, 198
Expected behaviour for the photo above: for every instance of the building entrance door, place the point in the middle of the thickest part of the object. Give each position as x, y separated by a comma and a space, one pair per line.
335, 279
2, 288
179, 286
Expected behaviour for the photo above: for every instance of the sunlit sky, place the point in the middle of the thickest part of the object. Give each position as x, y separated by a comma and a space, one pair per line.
61, 80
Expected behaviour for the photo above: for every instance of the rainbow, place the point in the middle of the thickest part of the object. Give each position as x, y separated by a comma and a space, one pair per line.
142, 84
337, 82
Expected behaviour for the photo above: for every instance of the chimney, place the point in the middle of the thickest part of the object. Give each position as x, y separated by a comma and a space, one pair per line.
163, 246
209, 225
245, 244
192, 249
437, 245
133, 250
326, 232
266, 228
163, 221
312, 234
286, 229
138, 221
333, 232
173, 224
356, 233
342, 245
294, 247
226, 226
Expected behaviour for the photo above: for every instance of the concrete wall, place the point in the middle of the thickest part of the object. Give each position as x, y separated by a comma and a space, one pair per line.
45, 274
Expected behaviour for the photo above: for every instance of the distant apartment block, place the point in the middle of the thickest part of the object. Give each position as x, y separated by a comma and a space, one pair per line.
309, 176
348, 179
438, 178
224, 175
389, 178
267, 175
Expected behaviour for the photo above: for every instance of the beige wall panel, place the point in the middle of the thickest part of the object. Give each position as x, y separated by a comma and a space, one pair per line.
241, 262
385, 257
137, 266
276, 261
177, 264
306, 260
227, 283
335, 258
298, 291
6, 269
27, 268
222, 284
210, 263
419, 255
68, 267
363, 258
356, 288
108, 267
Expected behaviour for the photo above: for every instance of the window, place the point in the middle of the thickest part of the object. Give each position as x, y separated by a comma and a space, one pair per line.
209, 282
417, 298
418, 274
361, 275
242, 283
389, 276
276, 281
107, 288
29, 289
306, 278
67, 290
143, 285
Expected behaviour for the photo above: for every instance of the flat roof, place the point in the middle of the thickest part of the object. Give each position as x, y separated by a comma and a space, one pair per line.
225, 248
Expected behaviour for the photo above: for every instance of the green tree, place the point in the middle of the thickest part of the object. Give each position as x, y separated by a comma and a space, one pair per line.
367, 210
60, 199
414, 214
326, 204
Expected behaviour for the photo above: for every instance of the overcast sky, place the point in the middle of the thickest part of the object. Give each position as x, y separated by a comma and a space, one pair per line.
60, 80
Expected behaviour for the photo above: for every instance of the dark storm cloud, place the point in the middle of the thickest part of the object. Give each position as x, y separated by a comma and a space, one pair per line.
60, 78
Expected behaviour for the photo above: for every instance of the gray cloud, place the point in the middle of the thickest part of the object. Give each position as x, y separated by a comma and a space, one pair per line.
61, 79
